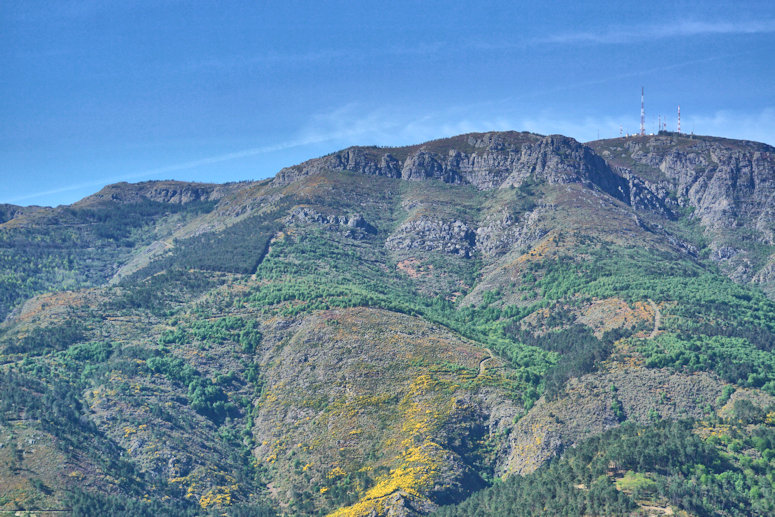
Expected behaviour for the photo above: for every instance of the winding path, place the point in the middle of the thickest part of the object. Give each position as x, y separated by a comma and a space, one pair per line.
481, 363
657, 319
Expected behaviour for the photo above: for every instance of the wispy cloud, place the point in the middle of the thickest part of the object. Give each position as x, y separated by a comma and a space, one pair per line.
182, 166
634, 34
758, 126
610, 35
344, 126
393, 127
352, 124
273, 58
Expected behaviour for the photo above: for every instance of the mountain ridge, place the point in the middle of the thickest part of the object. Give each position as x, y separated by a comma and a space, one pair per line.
716, 193
369, 342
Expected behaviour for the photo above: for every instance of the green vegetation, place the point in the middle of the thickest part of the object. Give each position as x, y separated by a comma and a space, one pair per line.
315, 272
45, 339
580, 351
84, 504
244, 363
163, 292
205, 397
734, 359
73, 247
664, 464
714, 324
637, 484
58, 411
216, 332
238, 248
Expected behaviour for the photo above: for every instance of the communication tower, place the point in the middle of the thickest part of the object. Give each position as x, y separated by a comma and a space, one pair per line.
642, 114
679, 119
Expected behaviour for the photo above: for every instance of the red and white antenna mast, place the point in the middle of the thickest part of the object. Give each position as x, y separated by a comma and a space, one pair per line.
642, 114
679, 119
659, 123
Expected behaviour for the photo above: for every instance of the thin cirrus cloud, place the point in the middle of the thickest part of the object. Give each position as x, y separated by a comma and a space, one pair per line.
171, 168
324, 55
610, 35
349, 125
663, 31
310, 136
343, 126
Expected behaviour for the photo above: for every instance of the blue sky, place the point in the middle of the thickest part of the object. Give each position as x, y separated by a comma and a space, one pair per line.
95, 92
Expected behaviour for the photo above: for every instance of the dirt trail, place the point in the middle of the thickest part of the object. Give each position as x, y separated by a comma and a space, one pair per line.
657, 319
666, 510
481, 363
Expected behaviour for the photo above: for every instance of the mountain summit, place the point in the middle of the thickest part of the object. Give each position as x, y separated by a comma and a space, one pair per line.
449, 327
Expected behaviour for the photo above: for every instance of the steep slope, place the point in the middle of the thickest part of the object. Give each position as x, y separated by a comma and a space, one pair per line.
379, 331
728, 186
44, 249
484, 160
666, 468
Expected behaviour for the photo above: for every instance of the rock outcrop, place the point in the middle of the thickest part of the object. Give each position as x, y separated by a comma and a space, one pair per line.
453, 237
498, 235
486, 161
728, 187
354, 224
8, 212
173, 192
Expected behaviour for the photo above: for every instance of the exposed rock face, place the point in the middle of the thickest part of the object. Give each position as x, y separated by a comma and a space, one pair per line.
646, 195
487, 161
174, 192
559, 159
766, 276
498, 235
480, 159
726, 186
305, 214
363, 160
453, 237
730, 185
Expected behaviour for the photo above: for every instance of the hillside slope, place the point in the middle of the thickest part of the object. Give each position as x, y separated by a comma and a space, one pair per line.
385, 331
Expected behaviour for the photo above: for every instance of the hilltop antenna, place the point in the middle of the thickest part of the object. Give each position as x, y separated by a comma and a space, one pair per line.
679, 119
642, 114
621, 131
659, 123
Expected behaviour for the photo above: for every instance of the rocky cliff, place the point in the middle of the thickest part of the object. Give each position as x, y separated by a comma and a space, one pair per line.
486, 161
173, 192
729, 186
